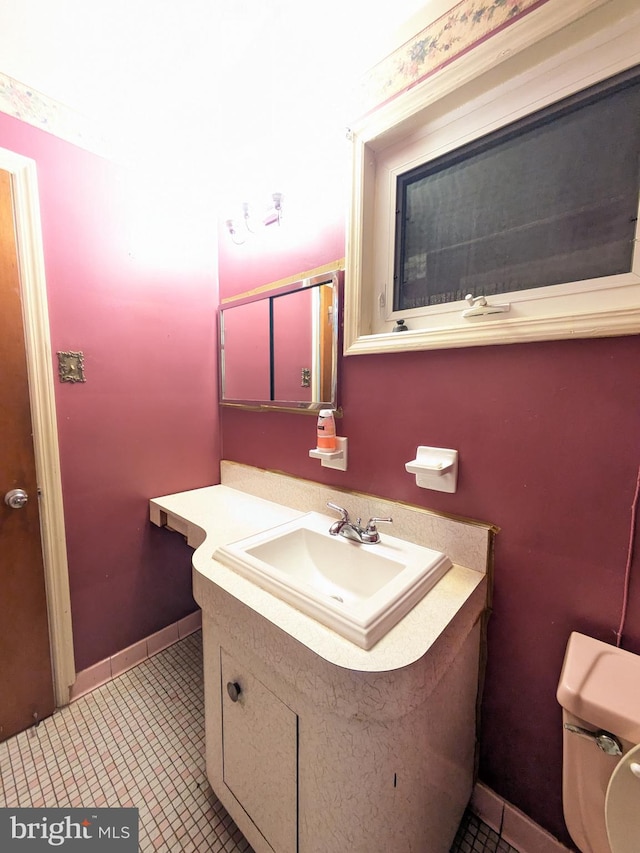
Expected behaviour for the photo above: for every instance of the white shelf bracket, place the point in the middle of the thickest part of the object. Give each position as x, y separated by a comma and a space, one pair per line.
332, 458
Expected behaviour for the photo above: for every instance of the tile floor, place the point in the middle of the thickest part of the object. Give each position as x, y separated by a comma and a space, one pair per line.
139, 741
474, 836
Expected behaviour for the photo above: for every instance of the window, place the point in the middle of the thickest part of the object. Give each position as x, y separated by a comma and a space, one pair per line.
520, 186
547, 200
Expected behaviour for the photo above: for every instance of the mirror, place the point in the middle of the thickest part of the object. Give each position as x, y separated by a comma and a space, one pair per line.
280, 351
246, 351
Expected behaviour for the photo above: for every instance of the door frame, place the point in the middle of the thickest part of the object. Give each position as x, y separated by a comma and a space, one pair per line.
24, 182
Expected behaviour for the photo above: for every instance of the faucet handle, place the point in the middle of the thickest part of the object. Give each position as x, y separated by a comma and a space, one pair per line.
343, 512
373, 522
370, 533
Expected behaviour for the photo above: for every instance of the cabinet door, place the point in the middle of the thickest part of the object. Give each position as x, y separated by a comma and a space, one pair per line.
259, 754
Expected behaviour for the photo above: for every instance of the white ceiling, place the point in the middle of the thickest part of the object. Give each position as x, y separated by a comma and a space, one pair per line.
99, 55
201, 79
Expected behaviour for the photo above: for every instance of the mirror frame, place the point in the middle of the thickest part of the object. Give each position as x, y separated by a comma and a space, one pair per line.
333, 277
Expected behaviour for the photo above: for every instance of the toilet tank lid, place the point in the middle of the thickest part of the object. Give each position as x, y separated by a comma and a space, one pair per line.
601, 684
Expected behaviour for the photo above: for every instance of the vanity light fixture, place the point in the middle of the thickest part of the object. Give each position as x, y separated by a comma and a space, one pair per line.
272, 216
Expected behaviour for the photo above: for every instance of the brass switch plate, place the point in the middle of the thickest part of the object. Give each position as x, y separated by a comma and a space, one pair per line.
71, 366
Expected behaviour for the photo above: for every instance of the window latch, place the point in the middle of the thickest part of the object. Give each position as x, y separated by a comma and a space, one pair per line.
478, 307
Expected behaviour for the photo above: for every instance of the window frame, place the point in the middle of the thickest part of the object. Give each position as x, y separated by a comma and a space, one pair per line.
470, 98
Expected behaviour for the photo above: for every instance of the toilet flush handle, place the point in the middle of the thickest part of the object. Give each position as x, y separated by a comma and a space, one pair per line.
604, 740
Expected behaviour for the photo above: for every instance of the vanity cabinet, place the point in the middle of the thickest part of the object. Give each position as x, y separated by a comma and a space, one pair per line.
314, 745
260, 753
307, 756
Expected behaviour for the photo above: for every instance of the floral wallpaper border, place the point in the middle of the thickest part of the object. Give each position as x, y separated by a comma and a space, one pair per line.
38, 110
463, 27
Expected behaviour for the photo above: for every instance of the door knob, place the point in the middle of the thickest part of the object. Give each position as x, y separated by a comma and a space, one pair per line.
16, 498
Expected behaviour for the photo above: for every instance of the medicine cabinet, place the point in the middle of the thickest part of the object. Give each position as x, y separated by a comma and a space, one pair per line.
280, 350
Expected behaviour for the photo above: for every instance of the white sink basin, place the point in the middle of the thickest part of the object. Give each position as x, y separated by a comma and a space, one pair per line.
358, 590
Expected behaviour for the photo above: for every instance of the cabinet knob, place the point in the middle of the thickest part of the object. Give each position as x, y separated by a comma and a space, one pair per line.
234, 690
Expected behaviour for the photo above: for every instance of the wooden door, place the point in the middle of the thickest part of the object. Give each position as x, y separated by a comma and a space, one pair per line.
26, 682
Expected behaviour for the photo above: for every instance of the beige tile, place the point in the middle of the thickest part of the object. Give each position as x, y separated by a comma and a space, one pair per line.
128, 658
91, 678
525, 835
190, 624
162, 639
487, 805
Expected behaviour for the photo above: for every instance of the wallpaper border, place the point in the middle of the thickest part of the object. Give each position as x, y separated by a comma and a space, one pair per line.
465, 26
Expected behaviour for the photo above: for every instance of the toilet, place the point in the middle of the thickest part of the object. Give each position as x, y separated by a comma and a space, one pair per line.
599, 691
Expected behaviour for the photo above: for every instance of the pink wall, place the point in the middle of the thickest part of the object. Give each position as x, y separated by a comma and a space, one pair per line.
548, 435
145, 422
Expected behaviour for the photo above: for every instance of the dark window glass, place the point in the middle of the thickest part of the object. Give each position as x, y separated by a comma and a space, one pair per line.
550, 199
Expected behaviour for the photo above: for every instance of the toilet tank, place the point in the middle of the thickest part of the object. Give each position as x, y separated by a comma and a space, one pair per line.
599, 689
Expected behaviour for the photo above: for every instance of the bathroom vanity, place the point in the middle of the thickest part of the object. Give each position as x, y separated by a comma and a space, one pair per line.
314, 744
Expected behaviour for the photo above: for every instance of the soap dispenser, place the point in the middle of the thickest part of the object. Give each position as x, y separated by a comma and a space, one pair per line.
330, 448
326, 432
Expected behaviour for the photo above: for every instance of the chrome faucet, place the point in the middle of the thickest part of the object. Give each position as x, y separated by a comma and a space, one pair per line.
354, 531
